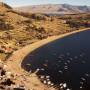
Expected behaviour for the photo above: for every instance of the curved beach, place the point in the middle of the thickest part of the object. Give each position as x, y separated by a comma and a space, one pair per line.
14, 62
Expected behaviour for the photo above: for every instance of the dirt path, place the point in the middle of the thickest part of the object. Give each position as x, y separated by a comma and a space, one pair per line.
14, 63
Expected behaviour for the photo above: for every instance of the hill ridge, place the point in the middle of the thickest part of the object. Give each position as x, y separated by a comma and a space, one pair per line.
55, 8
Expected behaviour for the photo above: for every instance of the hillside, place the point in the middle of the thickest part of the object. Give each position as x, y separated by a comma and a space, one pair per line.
55, 9
15, 26
18, 29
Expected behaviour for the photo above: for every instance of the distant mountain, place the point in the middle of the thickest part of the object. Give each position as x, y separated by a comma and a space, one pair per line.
55, 8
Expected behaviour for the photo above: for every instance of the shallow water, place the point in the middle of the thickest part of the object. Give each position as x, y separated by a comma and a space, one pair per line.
65, 60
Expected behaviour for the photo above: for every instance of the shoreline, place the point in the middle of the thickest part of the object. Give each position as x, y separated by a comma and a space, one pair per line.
14, 62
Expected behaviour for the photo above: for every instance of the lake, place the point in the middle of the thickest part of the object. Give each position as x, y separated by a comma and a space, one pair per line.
64, 63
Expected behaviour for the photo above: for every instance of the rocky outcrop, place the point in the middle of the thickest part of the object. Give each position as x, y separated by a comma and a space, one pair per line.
7, 79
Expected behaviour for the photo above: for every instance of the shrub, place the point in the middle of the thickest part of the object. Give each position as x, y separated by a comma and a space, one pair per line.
73, 23
38, 16
4, 25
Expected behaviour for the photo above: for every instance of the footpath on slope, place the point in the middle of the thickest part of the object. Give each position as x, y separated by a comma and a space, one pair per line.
14, 62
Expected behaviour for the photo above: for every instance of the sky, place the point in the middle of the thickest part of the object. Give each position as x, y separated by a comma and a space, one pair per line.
16, 3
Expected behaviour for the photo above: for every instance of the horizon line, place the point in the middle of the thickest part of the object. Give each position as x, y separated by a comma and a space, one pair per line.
49, 4
43, 4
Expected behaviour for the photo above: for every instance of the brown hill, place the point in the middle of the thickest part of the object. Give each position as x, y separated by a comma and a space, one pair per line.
55, 9
4, 7
19, 29
11, 23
